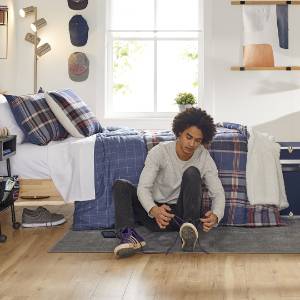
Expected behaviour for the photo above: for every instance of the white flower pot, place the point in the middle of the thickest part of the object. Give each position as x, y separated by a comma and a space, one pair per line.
183, 107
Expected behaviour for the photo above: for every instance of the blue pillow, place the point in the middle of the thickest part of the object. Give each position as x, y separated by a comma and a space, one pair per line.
36, 119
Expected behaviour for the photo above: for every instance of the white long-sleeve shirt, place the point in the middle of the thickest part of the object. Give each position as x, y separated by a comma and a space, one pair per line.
161, 177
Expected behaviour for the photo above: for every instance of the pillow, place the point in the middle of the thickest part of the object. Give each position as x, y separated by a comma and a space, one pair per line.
7, 119
36, 119
73, 113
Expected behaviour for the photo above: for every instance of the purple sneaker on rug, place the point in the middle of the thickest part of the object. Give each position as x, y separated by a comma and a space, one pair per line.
131, 242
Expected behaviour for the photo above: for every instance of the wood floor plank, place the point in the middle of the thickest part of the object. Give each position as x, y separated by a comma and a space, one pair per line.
286, 273
260, 279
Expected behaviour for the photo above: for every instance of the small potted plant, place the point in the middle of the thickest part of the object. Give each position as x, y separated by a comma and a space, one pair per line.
185, 100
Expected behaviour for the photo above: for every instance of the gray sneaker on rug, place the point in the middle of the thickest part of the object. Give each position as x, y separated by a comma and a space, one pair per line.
189, 236
41, 217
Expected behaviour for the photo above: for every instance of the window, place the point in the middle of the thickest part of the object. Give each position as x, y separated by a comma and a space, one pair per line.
155, 51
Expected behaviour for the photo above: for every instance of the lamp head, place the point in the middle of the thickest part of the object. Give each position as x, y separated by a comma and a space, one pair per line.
40, 23
24, 12
31, 38
40, 51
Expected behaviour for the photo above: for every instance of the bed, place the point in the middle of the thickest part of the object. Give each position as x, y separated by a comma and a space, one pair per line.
120, 153
84, 169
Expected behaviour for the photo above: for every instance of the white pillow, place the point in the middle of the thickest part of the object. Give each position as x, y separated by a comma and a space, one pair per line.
7, 119
62, 118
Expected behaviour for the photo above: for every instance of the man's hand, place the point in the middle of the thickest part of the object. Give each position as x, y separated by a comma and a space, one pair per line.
209, 221
162, 215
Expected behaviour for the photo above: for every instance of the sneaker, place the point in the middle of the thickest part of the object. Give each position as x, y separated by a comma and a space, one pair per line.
189, 236
131, 242
41, 217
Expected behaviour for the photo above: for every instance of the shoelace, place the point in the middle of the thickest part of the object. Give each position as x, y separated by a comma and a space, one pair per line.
45, 211
179, 224
131, 239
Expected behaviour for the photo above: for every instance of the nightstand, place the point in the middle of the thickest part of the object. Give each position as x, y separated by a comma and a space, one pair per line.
8, 149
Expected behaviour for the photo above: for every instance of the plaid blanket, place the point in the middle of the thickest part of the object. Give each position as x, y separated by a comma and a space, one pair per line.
119, 153
152, 138
229, 151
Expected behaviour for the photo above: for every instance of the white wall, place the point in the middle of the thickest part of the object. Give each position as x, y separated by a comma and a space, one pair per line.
249, 97
246, 97
53, 67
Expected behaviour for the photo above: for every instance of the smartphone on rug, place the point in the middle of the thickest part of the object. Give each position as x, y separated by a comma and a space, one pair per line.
108, 234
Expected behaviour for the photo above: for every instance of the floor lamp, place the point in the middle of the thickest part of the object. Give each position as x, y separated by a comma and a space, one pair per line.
34, 39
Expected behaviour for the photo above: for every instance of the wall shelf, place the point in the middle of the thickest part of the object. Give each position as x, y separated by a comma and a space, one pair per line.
265, 2
289, 68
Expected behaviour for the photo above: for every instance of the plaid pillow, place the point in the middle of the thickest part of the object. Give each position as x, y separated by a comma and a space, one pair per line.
73, 113
36, 119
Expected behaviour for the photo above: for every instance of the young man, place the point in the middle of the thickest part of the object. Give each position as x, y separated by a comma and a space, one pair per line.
169, 192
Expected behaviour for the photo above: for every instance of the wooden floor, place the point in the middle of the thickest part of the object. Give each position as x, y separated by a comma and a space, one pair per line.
28, 271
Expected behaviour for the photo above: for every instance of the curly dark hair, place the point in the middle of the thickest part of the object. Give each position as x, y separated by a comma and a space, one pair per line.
195, 117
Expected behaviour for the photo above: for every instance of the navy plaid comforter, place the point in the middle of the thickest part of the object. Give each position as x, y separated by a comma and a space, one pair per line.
121, 154
118, 154
229, 151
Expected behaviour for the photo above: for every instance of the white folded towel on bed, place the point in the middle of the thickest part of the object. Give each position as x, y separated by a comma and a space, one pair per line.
264, 177
71, 165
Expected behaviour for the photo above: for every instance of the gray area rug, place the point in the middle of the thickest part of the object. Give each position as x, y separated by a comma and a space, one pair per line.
283, 239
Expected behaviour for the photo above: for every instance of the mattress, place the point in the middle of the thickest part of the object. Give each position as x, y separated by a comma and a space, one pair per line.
29, 162
69, 163
32, 161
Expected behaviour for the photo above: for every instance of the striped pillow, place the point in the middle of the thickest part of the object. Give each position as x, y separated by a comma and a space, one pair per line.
36, 119
73, 113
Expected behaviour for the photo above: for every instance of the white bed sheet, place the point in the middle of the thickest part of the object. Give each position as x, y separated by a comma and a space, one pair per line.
30, 162
69, 163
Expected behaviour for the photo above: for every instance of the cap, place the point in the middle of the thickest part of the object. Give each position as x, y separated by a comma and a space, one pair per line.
79, 30
78, 4
78, 66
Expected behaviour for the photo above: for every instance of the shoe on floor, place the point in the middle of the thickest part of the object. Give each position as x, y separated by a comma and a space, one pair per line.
131, 242
41, 217
189, 235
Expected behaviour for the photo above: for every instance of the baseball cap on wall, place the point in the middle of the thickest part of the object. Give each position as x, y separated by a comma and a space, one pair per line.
78, 66
78, 4
79, 30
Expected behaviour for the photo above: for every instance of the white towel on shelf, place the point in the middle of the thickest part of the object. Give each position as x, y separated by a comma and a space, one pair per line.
260, 25
264, 177
71, 165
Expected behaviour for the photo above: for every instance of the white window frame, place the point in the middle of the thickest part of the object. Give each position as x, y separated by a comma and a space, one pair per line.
149, 120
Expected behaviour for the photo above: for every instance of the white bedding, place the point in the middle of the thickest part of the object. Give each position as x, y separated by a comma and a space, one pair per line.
30, 162
265, 184
69, 163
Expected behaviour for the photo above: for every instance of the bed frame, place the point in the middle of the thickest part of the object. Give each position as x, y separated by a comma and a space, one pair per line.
35, 188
